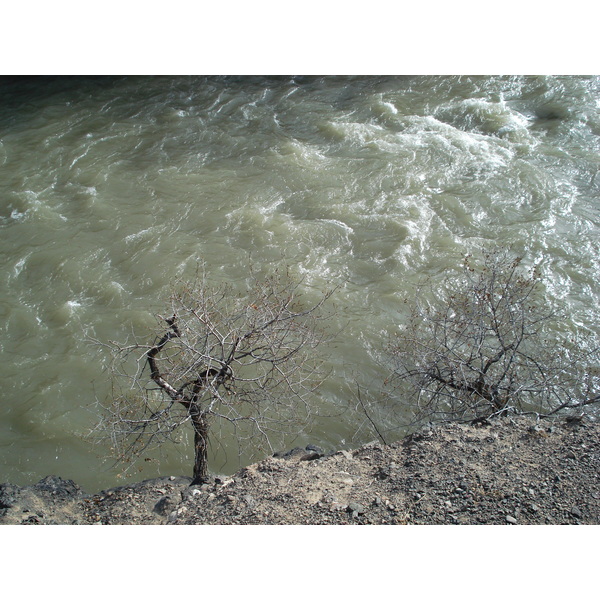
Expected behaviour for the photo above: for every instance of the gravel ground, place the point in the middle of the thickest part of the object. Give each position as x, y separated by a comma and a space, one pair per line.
511, 471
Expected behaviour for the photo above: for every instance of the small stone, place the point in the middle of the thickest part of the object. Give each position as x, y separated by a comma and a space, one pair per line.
511, 519
313, 448
534, 508
347, 454
172, 517
164, 505
383, 473
355, 507
576, 512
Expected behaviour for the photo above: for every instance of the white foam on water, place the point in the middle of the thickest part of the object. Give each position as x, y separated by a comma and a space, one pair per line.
344, 226
18, 267
144, 233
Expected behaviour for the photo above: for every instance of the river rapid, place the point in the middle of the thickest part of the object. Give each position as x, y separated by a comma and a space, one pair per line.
112, 187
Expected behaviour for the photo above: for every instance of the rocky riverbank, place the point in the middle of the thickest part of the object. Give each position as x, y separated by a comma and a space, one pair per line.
510, 471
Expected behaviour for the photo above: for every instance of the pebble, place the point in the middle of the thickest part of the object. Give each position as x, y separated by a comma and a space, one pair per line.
172, 517
356, 509
576, 512
511, 519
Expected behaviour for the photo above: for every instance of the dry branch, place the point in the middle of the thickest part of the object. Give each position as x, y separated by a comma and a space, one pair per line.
245, 359
484, 343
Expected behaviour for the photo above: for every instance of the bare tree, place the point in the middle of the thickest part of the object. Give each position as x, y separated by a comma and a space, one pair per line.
485, 343
247, 360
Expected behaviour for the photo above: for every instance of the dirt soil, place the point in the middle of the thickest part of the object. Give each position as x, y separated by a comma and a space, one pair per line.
510, 471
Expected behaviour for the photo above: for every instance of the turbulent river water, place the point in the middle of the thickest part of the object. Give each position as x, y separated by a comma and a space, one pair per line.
111, 187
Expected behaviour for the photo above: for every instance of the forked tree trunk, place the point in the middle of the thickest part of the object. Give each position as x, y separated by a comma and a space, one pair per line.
200, 423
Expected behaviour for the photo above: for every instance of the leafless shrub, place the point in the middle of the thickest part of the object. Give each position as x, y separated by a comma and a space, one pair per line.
483, 344
247, 360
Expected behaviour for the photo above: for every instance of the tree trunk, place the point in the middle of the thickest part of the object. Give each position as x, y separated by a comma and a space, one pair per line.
200, 423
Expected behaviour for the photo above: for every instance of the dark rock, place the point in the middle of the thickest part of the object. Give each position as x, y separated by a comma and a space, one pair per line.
309, 453
311, 456
8, 495
313, 448
294, 452
383, 473
164, 506
576, 512
58, 487
31, 520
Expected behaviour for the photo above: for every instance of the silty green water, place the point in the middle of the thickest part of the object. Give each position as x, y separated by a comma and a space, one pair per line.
111, 187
